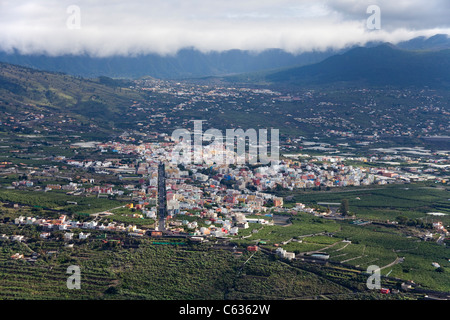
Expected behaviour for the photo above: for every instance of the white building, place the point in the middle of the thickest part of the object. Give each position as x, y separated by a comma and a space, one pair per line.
83, 236
284, 254
68, 236
19, 220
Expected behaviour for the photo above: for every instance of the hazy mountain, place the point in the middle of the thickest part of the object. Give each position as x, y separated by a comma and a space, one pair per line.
436, 42
187, 63
191, 63
381, 65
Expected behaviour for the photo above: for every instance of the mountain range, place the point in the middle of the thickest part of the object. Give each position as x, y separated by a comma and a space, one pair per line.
383, 65
191, 63
186, 63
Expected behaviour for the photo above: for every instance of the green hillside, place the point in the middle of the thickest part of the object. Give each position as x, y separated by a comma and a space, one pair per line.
22, 87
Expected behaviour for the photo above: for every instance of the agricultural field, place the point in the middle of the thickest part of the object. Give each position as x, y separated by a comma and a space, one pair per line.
383, 202
396, 249
126, 216
382, 246
147, 270
47, 278
55, 200
301, 225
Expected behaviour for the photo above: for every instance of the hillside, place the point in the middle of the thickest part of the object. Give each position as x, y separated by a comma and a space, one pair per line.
381, 65
39, 90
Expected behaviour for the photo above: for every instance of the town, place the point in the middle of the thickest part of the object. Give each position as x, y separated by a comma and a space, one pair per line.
344, 193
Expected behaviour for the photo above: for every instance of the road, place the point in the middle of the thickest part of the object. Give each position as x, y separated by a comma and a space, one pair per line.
320, 250
162, 197
396, 261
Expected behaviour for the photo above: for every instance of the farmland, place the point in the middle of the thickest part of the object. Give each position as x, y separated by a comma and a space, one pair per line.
58, 201
384, 202
142, 270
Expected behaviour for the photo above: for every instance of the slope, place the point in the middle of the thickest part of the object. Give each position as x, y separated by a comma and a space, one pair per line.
381, 65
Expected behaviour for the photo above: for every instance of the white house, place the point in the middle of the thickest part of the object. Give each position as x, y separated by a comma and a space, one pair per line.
150, 214
63, 227
234, 231
17, 238
19, 220
83, 236
30, 220
284, 254
68, 236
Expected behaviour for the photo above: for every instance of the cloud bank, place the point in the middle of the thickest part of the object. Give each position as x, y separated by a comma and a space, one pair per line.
112, 27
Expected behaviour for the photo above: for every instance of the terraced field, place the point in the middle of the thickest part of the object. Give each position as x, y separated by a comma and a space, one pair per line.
25, 280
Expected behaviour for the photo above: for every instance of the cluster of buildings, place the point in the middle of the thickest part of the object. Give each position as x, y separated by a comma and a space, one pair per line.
63, 224
293, 172
222, 196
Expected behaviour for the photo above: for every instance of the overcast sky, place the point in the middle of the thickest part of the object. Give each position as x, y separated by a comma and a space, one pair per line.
112, 27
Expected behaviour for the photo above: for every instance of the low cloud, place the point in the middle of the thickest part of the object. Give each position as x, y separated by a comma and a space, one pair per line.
111, 27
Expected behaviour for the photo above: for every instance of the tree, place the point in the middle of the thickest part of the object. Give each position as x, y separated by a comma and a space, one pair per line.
343, 209
402, 219
111, 290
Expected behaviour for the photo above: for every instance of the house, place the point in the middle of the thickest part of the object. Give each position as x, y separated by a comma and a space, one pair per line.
284, 254
407, 286
136, 234
439, 226
90, 225
63, 226
150, 214
242, 225
74, 224
436, 265
17, 256
131, 228
17, 238
19, 220
30, 220
289, 255
253, 248
427, 236
278, 202
83, 236
53, 187
44, 235
192, 225
68, 236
